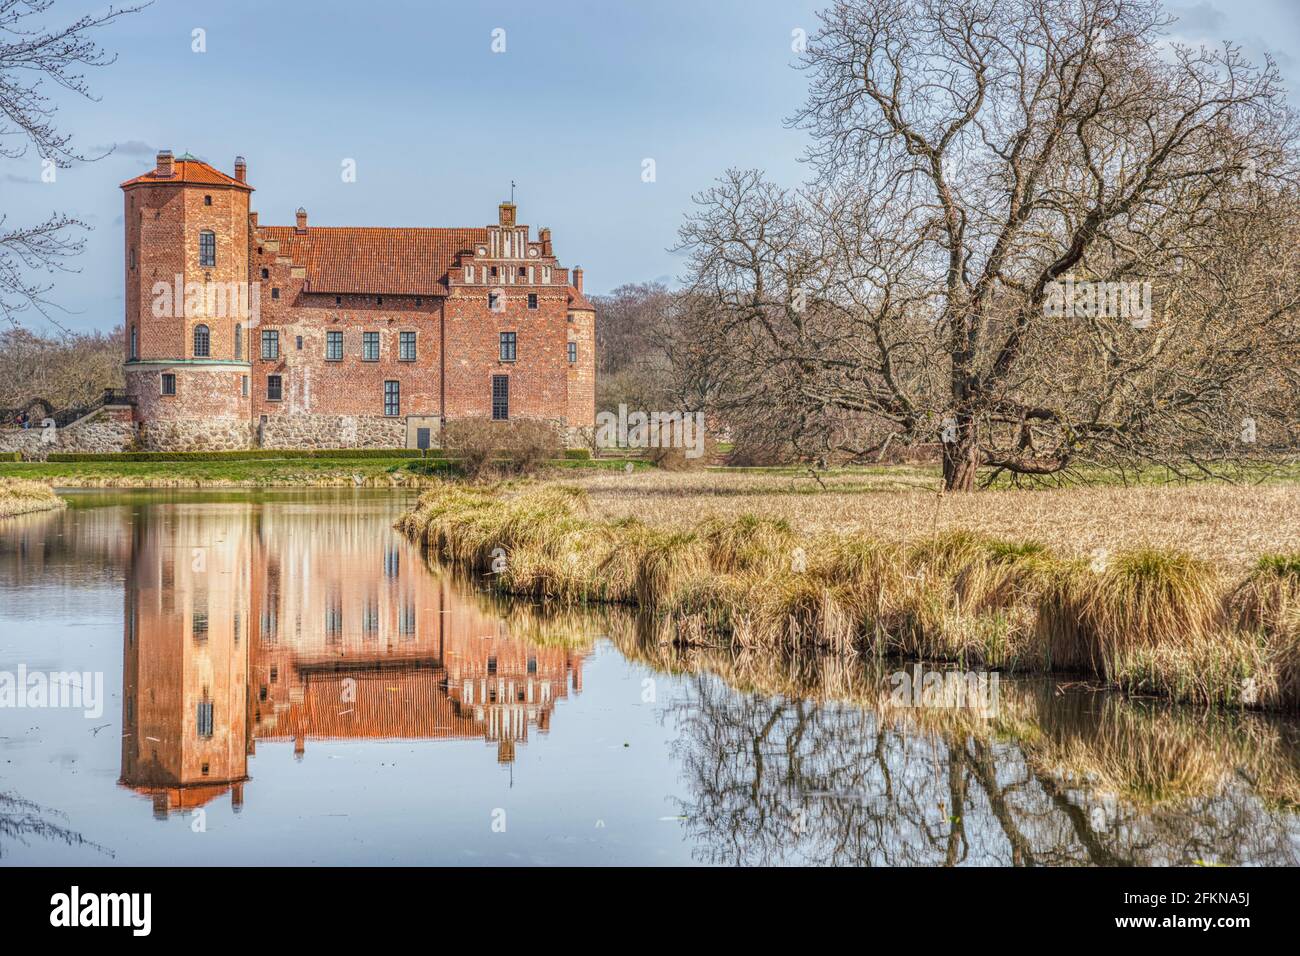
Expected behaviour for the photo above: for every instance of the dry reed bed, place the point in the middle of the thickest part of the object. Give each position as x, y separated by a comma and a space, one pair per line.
18, 496
1150, 621
1225, 524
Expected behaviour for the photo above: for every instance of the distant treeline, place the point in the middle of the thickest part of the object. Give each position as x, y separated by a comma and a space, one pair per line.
65, 370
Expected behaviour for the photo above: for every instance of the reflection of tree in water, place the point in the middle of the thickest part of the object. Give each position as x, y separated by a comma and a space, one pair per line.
22, 820
781, 780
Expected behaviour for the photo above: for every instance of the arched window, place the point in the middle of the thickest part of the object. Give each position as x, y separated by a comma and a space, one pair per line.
239, 341
202, 341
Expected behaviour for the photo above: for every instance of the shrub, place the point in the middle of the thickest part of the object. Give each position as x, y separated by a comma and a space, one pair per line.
517, 448
473, 441
676, 458
759, 450
527, 445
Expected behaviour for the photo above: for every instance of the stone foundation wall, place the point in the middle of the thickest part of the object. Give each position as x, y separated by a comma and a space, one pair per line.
108, 432
202, 435
333, 431
103, 433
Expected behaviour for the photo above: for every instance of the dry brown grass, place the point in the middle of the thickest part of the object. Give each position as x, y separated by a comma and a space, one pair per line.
18, 496
1148, 620
1224, 524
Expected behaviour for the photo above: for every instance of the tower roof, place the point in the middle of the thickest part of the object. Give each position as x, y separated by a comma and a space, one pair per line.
192, 170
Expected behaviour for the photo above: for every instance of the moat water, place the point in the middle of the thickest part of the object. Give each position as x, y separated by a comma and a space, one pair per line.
262, 678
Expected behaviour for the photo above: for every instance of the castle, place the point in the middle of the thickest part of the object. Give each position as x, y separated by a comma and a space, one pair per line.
244, 335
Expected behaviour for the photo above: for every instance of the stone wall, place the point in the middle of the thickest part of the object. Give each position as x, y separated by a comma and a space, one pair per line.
203, 435
108, 433
333, 431
103, 433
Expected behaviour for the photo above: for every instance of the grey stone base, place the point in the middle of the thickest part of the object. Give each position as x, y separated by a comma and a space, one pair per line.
95, 436
333, 431
206, 435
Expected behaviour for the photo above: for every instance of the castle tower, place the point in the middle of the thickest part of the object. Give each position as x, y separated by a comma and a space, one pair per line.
188, 304
581, 357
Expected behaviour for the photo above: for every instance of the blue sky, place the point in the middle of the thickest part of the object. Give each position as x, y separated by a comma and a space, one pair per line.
439, 124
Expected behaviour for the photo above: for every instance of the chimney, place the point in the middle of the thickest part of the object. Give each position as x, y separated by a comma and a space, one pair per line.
544, 234
241, 169
165, 167
577, 278
302, 220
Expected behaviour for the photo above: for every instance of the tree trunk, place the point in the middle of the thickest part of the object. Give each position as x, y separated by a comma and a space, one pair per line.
961, 459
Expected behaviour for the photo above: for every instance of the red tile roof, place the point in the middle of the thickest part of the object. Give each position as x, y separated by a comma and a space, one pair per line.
190, 171
376, 261
579, 301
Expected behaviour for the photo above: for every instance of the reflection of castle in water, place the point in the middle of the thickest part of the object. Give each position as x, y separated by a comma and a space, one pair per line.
244, 623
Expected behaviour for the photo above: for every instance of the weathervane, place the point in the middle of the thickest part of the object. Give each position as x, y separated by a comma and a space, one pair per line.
512, 191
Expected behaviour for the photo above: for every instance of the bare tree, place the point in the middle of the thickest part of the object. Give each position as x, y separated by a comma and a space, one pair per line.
33, 55
979, 160
631, 321
66, 370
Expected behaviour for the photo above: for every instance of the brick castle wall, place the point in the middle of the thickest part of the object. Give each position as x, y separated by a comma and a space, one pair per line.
454, 290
